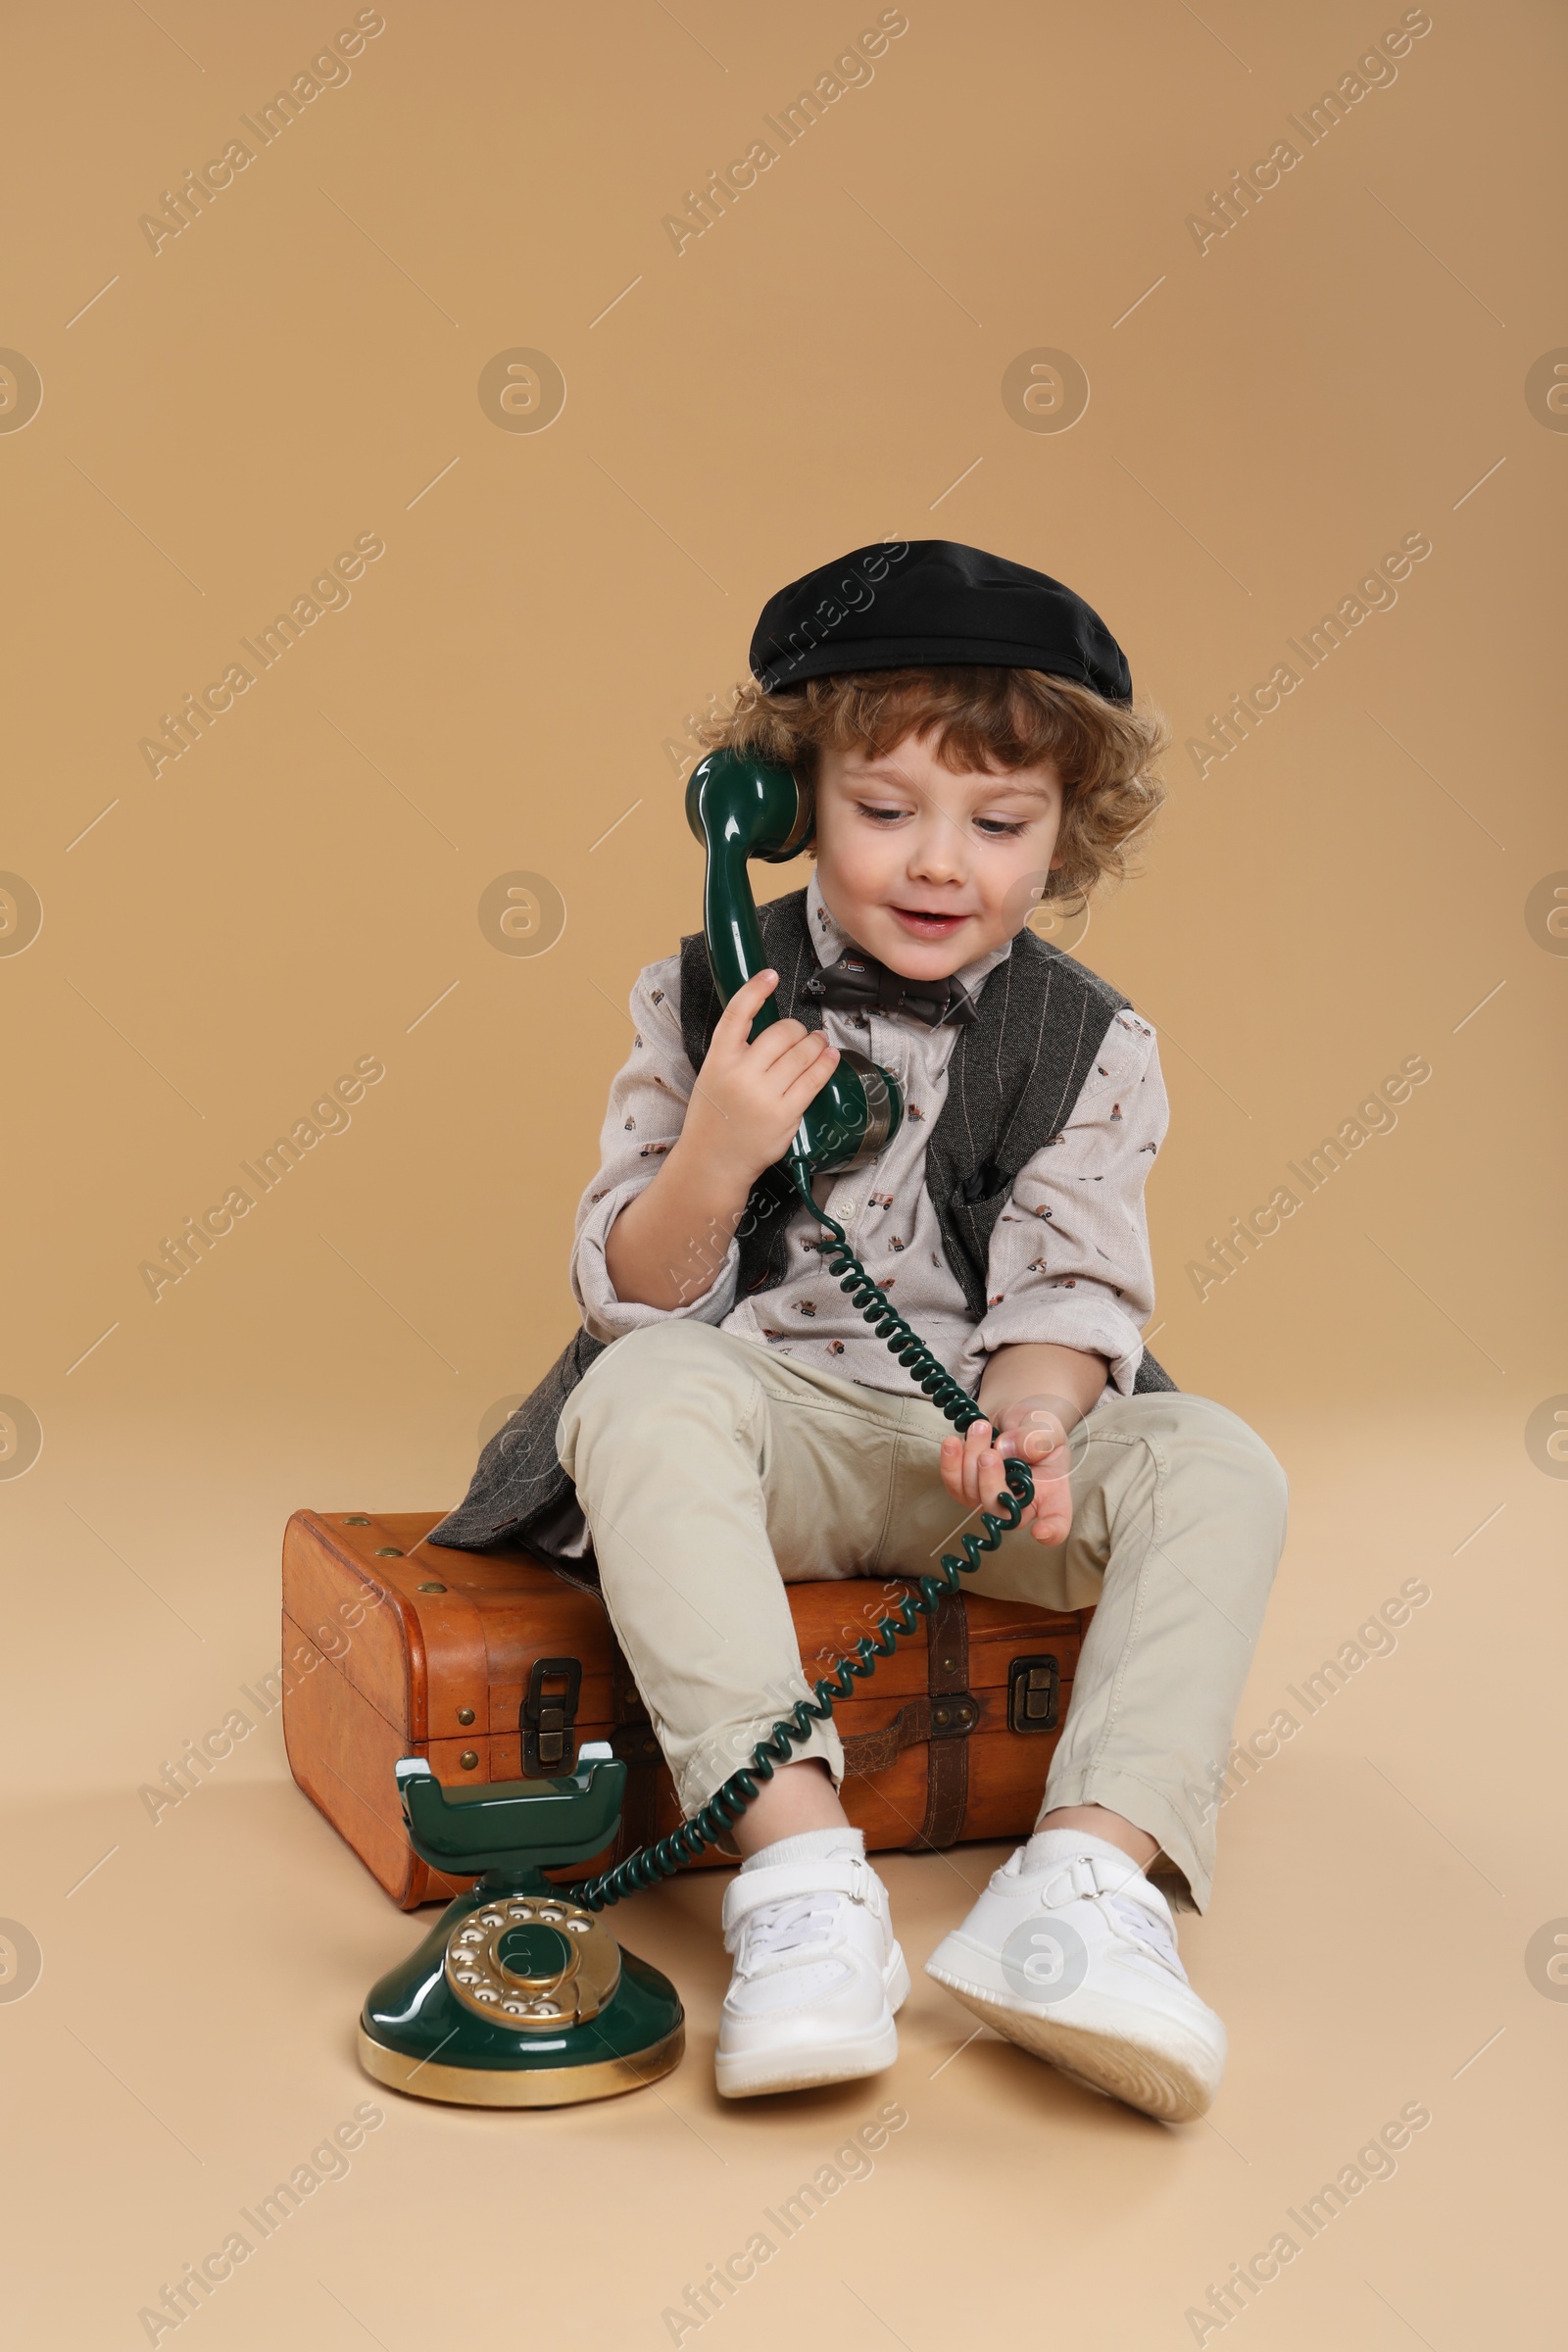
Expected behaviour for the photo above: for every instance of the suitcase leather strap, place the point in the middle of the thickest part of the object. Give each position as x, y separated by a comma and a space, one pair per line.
943, 1720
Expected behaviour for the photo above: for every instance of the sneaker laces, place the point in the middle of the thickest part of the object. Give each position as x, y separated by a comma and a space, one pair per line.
1148, 1929
775, 1929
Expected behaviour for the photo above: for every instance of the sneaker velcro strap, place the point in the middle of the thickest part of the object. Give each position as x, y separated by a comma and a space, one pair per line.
777, 1881
1087, 1875
1092, 1874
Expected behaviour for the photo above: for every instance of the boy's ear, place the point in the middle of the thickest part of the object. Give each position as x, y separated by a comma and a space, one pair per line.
806, 846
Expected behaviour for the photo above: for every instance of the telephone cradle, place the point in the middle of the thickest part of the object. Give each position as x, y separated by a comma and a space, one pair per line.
519, 1995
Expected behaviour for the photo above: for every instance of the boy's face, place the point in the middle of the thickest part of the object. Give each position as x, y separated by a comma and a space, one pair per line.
926, 870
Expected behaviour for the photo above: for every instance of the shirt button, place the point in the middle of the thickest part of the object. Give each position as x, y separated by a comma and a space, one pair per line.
849, 1209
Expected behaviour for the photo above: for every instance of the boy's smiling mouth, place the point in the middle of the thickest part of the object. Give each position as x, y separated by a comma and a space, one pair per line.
923, 922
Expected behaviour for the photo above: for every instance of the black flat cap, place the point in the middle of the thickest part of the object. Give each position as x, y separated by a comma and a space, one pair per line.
915, 602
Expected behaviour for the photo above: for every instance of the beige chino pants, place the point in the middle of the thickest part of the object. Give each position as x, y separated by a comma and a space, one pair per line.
712, 1472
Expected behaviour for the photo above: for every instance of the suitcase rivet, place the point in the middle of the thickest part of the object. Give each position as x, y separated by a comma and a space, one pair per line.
948, 1665
388, 1551
464, 1714
430, 1588
356, 1522
468, 1760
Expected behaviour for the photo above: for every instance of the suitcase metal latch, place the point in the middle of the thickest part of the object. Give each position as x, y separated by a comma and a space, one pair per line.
1033, 1694
546, 1717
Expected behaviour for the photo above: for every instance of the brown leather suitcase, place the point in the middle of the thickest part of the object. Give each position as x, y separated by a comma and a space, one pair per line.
497, 1666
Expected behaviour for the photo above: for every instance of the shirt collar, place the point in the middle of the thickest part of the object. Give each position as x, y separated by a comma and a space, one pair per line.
831, 942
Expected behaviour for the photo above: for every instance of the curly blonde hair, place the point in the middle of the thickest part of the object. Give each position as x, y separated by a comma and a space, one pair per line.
983, 717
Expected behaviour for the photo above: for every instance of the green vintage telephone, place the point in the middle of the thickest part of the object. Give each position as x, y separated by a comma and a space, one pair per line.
741, 809
519, 1996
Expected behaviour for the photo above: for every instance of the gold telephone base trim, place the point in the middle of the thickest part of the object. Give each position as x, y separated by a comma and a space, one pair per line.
511, 2086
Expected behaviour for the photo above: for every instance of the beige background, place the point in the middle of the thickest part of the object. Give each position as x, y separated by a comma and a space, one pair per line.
508, 690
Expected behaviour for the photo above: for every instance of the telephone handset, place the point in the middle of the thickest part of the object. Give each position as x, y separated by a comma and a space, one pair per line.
519, 1995
741, 808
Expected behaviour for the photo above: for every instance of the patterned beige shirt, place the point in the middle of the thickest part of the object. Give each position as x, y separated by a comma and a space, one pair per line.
1069, 1256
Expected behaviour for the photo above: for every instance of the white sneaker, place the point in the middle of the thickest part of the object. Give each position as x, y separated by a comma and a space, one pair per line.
817, 1977
1076, 1961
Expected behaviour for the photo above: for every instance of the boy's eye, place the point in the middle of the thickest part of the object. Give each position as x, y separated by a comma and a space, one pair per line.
993, 828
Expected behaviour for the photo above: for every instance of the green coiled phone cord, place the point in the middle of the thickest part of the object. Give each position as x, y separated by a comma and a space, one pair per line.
661, 1860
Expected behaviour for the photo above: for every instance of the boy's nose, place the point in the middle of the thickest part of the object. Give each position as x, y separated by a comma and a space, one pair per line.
936, 855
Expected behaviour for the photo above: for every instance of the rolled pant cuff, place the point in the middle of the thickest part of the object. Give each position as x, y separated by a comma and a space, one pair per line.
1150, 1809
714, 1760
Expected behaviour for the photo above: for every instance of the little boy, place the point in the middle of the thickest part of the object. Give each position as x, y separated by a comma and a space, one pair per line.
726, 1422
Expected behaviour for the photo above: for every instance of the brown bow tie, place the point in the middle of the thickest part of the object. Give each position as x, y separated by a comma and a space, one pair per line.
857, 983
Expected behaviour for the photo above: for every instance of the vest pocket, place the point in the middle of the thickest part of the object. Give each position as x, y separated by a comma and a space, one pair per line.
985, 1184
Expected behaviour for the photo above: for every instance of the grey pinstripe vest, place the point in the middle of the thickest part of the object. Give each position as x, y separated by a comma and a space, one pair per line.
1013, 1081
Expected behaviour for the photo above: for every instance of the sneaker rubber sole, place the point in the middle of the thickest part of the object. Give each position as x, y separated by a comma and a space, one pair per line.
1162, 2072
803, 2066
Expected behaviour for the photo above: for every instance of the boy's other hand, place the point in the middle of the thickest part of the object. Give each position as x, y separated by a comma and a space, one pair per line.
748, 1097
974, 1466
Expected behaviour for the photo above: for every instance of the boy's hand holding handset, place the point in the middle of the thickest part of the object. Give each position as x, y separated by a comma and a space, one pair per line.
751, 1094
667, 1247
